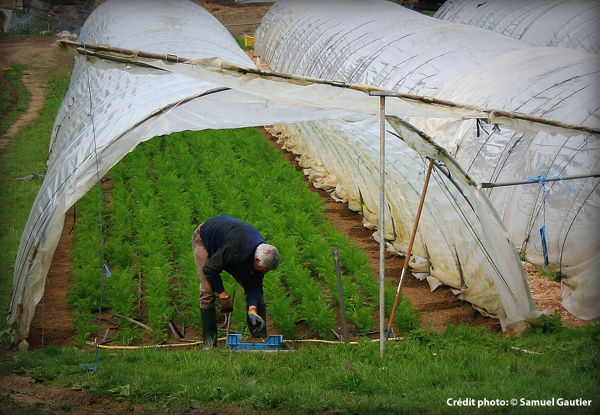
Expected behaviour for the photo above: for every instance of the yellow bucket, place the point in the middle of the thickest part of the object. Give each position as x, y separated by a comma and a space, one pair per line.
248, 41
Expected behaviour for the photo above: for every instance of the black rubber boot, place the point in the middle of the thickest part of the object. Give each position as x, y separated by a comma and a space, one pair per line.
209, 327
261, 310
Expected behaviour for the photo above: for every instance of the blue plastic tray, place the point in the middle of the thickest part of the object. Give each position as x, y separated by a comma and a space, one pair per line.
234, 341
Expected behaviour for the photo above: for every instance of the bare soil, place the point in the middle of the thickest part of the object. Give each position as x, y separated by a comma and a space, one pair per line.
23, 391
547, 296
18, 392
239, 18
53, 320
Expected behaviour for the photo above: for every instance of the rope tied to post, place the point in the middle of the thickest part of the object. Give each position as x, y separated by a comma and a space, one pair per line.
542, 180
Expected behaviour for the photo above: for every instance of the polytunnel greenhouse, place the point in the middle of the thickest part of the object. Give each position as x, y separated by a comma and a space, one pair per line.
462, 64
562, 23
484, 108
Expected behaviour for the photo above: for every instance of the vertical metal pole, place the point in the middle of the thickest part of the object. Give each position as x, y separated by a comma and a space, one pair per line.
336, 258
381, 226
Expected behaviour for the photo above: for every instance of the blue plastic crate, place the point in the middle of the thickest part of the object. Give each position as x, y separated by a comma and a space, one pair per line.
234, 341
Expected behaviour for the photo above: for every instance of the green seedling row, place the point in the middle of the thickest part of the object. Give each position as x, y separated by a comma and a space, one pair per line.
123, 288
250, 202
169, 185
151, 244
87, 265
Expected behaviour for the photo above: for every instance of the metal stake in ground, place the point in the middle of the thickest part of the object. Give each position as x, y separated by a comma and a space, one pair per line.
336, 259
409, 251
228, 318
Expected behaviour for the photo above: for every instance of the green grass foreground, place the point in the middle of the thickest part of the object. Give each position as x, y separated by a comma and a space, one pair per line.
417, 375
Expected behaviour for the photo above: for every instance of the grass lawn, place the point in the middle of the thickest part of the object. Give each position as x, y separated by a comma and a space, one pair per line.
421, 374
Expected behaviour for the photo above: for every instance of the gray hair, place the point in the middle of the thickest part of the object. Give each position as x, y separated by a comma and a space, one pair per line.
268, 256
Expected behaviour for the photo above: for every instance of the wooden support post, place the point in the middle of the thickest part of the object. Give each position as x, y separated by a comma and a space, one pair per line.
410, 246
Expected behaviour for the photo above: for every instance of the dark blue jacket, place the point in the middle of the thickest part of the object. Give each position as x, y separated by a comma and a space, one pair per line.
231, 244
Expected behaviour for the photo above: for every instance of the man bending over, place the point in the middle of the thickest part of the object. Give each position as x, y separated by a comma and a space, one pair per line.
223, 243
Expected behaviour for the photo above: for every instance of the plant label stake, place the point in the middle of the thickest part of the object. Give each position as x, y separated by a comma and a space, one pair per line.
336, 258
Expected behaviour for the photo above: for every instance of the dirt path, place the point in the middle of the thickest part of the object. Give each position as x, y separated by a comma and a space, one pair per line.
240, 19
42, 56
53, 320
34, 86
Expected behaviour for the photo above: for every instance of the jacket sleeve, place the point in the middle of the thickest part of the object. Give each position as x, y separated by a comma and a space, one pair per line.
254, 292
213, 267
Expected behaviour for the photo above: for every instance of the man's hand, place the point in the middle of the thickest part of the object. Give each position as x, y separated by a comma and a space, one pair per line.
226, 302
255, 320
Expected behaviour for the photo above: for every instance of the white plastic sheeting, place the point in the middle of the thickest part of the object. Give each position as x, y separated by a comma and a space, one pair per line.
111, 107
558, 23
382, 44
108, 111
457, 230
